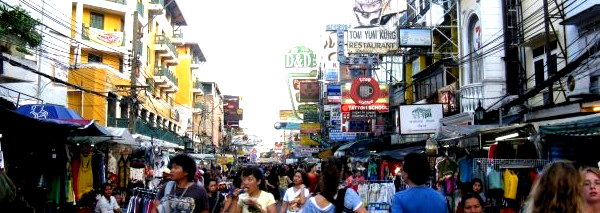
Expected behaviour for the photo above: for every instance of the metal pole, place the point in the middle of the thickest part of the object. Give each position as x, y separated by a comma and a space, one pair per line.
551, 69
38, 91
134, 70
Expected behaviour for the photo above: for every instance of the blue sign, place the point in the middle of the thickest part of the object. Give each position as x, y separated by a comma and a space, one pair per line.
337, 135
332, 75
334, 90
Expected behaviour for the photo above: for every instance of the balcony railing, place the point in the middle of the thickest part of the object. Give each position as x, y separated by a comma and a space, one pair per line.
164, 71
118, 1
178, 34
162, 2
140, 9
144, 128
163, 40
198, 85
139, 47
196, 60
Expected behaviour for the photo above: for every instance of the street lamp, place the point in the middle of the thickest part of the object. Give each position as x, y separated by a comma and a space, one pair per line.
479, 113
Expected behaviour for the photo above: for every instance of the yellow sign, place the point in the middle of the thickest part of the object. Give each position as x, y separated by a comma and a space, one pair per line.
306, 141
306, 128
325, 154
288, 115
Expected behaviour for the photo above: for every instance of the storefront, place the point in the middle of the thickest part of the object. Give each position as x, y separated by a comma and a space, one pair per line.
576, 141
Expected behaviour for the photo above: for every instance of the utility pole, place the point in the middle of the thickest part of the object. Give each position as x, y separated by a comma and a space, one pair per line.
134, 70
551, 67
38, 89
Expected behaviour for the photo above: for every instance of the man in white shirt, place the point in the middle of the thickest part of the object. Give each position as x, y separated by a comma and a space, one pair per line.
107, 203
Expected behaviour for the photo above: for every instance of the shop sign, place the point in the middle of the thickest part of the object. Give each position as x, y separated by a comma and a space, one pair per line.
365, 93
306, 140
362, 115
300, 57
337, 27
287, 126
334, 93
338, 135
307, 128
305, 149
309, 91
106, 37
415, 37
330, 107
310, 117
308, 108
419, 119
332, 71
374, 40
288, 115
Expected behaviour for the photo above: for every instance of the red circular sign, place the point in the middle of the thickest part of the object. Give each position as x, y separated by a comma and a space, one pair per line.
365, 91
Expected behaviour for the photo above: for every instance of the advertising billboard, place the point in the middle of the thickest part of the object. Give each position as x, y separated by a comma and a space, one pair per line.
420, 119
365, 93
309, 91
415, 37
106, 37
231, 108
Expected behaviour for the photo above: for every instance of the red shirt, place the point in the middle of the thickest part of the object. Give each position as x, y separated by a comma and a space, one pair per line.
312, 182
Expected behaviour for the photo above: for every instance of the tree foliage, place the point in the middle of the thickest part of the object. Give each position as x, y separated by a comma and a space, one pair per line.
18, 28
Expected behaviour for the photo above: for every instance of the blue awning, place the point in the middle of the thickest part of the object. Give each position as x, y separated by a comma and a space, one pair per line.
47, 111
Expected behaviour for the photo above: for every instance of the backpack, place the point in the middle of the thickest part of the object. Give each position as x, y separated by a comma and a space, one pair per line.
339, 202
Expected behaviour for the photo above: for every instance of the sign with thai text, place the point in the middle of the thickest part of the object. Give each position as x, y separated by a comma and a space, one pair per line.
419, 119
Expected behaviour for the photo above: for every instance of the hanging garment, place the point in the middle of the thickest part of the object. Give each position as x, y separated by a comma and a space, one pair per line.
446, 167
136, 174
102, 170
492, 152
494, 179
85, 179
123, 173
511, 184
465, 168
112, 164
75, 177
161, 161
382, 172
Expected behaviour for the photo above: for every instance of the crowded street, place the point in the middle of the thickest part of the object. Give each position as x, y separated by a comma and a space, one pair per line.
281, 106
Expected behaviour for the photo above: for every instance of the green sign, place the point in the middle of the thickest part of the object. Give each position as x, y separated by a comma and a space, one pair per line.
308, 108
310, 117
300, 57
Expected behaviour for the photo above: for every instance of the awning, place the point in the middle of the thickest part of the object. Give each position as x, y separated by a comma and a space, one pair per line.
585, 127
146, 141
399, 154
202, 156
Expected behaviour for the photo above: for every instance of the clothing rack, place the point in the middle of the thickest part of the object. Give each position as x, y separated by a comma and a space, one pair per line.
481, 165
142, 191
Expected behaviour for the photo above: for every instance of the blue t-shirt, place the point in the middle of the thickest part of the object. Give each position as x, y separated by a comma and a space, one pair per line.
419, 199
351, 201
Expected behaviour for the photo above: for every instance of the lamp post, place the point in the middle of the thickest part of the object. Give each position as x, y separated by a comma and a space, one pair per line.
479, 113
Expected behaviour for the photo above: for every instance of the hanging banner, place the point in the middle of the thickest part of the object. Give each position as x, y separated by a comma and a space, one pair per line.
306, 128
106, 37
309, 91
373, 40
419, 119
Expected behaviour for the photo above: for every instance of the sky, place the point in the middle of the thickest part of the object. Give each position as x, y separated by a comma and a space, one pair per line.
244, 43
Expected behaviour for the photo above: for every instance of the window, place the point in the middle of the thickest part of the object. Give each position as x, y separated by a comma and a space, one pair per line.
540, 66
93, 58
473, 54
97, 21
147, 55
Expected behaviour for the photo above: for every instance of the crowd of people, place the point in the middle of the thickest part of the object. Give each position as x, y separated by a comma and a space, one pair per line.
561, 187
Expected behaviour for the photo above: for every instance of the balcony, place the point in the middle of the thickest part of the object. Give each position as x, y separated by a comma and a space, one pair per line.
197, 87
144, 128
196, 62
165, 79
117, 1
177, 38
198, 107
156, 5
165, 48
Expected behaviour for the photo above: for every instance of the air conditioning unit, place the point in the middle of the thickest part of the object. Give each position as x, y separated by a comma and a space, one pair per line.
577, 83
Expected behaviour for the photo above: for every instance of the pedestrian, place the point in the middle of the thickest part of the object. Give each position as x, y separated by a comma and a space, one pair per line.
166, 172
418, 197
330, 198
295, 197
284, 182
107, 203
216, 200
254, 197
312, 178
273, 183
592, 189
470, 203
477, 188
559, 188
182, 194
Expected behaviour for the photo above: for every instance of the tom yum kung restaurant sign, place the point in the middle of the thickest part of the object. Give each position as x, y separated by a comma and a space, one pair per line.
372, 40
